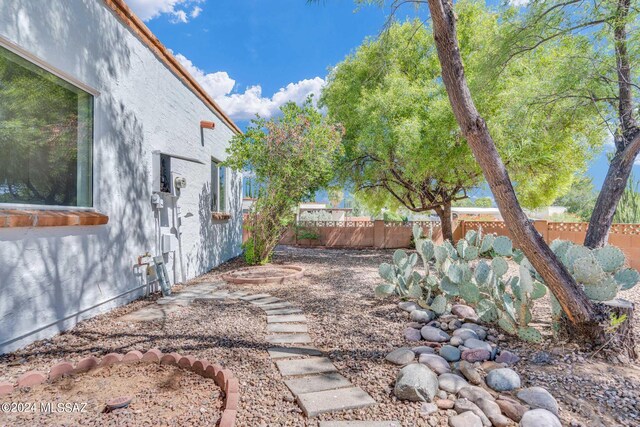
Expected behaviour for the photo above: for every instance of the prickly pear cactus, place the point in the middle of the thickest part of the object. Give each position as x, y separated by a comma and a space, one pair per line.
503, 246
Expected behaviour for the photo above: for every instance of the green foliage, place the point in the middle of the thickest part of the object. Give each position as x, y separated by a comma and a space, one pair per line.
483, 202
402, 143
579, 200
628, 210
291, 157
304, 233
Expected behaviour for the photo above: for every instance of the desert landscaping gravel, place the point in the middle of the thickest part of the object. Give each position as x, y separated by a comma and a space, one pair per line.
354, 329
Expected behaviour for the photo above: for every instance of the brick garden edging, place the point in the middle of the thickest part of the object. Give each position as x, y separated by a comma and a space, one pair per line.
223, 377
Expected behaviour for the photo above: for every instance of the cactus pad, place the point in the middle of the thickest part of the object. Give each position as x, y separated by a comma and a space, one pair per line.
387, 272
627, 278
483, 272
487, 243
604, 291
530, 334
610, 258
503, 246
487, 310
385, 290
500, 266
439, 304
469, 293
587, 270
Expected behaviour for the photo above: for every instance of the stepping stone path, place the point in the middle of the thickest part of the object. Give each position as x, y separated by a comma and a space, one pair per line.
313, 379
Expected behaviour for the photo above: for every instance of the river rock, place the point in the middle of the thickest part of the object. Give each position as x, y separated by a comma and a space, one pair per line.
416, 382
503, 379
476, 343
423, 349
493, 412
463, 311
476, 355
539, 418
465, 333
538, 397
408, 306
411, 334
445, 403
449, 353
401, 356
430, 333
465, 405
421, 315
507, 357
451, 383
474, 393
428, 408
466, 419
456, 341
479, 330
470, 372
511, 408
436, 363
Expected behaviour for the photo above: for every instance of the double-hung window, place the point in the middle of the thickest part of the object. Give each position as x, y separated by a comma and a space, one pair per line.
46, 136
218, 187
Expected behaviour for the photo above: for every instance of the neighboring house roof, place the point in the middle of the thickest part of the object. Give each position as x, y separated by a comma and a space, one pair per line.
151, 41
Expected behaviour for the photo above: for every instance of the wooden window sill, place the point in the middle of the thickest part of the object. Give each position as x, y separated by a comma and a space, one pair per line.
220, 216
45, 218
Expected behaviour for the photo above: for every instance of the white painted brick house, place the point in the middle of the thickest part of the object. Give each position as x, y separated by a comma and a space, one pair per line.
96, 117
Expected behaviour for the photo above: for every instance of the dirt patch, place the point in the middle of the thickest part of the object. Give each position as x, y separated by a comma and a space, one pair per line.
264, 274
162, 395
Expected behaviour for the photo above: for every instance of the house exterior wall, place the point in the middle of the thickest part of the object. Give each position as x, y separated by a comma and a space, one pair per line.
60, 275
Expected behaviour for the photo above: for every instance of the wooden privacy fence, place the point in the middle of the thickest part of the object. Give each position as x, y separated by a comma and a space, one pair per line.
390, 235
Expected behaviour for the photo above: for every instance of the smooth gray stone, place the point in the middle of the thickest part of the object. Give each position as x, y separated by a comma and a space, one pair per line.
341, 399
436, 363
538, 397
430, 333
451, 383
466, 419
503, 379
416, 382
401, 356
476, 343
539, 418
450, 353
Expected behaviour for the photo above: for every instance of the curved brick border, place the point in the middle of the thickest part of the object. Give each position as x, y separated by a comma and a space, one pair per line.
298, 272
223, 377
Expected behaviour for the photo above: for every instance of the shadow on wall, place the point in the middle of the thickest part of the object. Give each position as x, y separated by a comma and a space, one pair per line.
219, 240
49, 274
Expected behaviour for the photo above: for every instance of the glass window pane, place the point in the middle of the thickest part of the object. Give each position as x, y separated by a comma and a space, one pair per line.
46, 136
223, 180
214, 186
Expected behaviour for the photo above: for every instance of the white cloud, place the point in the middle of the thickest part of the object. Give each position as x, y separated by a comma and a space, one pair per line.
196, 11
149, 9
518, 3
245, 105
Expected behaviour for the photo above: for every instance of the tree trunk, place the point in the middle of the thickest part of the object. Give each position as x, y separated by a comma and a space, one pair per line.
627, 140
444, 213
610, 194
579, 309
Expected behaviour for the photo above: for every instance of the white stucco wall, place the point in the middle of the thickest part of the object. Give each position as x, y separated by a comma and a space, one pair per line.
52, 273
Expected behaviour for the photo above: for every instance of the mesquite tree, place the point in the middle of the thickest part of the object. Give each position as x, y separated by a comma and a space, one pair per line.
403, 146
578, 308
612, 32
291, 157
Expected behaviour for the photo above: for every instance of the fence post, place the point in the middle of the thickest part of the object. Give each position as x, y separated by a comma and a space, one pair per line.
378, 234
542, 226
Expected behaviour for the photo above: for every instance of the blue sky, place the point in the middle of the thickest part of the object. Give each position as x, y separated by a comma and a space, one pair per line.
254, 55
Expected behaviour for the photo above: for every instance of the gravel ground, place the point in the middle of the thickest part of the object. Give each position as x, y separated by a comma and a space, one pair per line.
174, 395
355, 329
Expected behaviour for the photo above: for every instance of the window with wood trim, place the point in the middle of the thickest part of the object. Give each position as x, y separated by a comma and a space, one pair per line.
46, 136
218, 187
